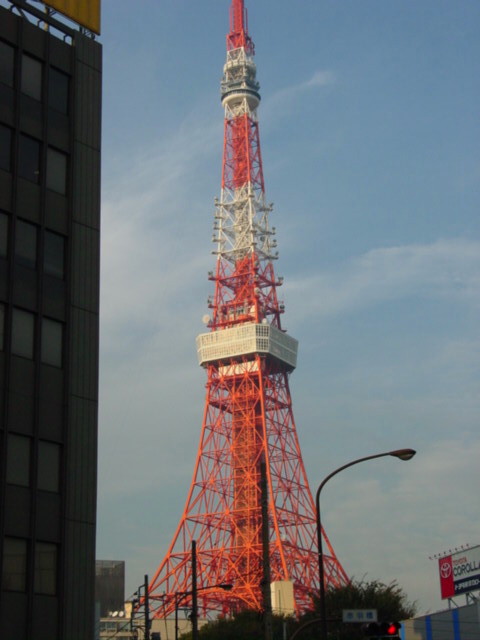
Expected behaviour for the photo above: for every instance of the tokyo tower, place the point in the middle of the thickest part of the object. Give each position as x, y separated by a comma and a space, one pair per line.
248, 417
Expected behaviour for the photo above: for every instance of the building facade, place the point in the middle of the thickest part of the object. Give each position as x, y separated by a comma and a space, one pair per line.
50, 107
110, 586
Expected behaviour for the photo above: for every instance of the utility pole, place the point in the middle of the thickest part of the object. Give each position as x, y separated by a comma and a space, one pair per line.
176, 616
147, 611
194, 592
267, 594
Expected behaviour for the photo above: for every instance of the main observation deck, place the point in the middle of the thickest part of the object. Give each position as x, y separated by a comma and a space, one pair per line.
247, 339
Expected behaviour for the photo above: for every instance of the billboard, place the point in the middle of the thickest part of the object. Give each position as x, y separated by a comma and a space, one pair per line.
459, 572
85, 12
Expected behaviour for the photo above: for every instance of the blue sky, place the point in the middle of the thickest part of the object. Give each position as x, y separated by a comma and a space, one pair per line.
370, 141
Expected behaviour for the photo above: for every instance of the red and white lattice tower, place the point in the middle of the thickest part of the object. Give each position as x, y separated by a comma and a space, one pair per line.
248, 415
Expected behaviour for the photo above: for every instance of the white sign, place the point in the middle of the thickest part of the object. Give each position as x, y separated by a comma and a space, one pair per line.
359, 615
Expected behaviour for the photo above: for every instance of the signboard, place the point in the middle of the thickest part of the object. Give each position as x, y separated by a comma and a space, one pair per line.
359, 615
459, 572
85, 12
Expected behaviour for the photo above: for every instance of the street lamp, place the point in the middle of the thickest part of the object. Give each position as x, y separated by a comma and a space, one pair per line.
401, 454
179, 595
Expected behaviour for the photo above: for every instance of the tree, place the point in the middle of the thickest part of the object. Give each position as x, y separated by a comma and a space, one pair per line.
243, 625
390, 601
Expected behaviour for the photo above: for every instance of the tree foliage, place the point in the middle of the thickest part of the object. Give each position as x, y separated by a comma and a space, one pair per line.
390, 601
247, 625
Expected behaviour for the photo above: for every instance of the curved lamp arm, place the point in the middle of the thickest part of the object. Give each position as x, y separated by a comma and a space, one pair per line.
401, 454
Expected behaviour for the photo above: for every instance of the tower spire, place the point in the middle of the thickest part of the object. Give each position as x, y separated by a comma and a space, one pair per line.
238, 36
248, 416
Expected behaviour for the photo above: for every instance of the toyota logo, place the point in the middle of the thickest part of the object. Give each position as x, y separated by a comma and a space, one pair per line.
445, 570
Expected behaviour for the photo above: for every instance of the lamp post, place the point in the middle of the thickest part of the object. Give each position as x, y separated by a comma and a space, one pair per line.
401, 454
180, 595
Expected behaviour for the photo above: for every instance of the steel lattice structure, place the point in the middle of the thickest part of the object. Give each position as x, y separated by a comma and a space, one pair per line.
248, 410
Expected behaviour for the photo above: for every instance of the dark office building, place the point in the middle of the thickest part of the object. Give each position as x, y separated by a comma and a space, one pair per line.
110, 586
50, 94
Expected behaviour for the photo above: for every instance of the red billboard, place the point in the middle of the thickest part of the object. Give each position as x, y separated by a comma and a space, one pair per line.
459, 572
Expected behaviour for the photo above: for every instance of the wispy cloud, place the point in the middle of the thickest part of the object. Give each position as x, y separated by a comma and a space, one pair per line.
155, 258
151, 224
447, 268
282, 101
319, 79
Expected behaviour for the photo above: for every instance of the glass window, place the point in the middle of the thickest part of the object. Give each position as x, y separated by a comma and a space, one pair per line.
5, 148
2, 326
48, 466
23, 325
7, 60
18, 460
52, 337
14, 572
26, 244
56, 171
45, 580
58, 88
54, 254
3, 235
29, 158
31, 77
